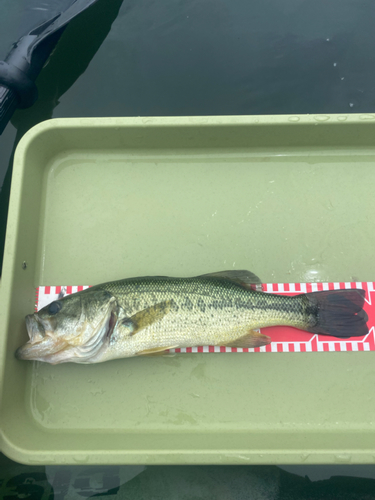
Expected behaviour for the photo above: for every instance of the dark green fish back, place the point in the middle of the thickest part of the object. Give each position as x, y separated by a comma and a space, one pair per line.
203, 294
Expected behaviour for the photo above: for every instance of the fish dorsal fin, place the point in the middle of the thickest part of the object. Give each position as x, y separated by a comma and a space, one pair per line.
241, 277
251, 339
146, 317
155, 351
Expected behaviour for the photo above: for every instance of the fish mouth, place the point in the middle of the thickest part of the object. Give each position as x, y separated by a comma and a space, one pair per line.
40, 351
50, 348
40, 345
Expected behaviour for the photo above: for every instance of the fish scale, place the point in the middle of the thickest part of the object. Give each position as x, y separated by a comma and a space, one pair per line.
205, 311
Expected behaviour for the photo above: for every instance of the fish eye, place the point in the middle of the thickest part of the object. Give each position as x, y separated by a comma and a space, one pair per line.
54, 307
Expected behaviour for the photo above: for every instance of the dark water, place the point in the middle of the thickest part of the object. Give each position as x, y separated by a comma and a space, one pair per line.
194, 57
181, 483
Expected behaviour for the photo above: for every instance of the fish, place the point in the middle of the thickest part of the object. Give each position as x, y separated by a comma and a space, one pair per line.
151, 315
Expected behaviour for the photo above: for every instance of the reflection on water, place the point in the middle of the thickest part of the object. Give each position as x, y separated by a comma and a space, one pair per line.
185, 482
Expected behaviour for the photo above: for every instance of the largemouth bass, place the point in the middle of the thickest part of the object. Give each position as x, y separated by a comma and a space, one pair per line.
149, 315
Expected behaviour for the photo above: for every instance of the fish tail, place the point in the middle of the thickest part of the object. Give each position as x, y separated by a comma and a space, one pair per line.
338, 313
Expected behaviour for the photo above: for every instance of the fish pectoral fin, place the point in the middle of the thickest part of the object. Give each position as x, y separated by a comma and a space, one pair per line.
146, 317
155, 351
242, 277
251, 339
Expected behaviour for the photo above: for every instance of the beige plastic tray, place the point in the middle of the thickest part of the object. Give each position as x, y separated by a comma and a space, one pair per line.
289, 198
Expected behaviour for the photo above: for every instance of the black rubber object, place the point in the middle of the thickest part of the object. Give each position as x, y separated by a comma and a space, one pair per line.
26, 59
18, 82
8, 105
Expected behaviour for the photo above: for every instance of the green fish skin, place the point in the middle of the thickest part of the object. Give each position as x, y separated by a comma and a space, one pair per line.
149, 315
